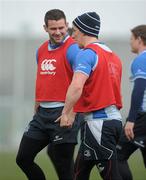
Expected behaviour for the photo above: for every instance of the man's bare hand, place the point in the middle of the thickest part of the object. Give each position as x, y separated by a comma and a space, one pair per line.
66, 120
129, 130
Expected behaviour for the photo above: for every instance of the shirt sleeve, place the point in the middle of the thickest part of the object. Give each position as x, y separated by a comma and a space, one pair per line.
37, 56
138, 68
72, 52
136, 98
86, 61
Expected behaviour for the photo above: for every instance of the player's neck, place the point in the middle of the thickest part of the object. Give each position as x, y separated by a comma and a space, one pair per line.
90, 40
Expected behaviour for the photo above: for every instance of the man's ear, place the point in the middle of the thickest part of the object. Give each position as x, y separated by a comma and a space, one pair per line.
139, 39
45, 28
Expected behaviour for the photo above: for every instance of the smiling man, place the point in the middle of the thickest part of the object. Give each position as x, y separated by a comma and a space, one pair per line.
55, 61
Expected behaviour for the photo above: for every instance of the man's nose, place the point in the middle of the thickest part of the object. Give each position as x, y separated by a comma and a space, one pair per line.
57, 31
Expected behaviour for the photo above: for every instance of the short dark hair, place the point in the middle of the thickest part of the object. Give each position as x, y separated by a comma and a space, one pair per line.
140, 31
54, 14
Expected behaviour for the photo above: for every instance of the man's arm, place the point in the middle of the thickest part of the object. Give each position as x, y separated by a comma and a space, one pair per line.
85, 62
136, 101
73, 94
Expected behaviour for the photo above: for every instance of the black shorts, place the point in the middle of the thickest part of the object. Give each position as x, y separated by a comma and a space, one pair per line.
99, 139
125, 147
43, 126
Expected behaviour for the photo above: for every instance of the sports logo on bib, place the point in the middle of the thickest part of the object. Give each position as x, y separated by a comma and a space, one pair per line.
100, 167
87, 153
48, 66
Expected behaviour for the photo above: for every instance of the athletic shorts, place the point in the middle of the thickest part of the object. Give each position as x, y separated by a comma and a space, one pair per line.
125, 147
99, 139
43, 126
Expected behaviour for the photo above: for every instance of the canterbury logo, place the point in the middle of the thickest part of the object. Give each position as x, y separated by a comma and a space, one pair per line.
48, 65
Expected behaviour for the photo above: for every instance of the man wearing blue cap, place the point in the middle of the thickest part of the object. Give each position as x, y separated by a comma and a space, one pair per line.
95, 91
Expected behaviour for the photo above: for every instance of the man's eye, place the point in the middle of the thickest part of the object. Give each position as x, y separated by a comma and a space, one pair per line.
61, 28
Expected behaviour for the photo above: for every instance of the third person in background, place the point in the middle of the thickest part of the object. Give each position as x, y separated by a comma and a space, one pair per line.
134, 133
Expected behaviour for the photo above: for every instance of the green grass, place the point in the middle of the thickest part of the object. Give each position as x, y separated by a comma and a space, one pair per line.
9, 169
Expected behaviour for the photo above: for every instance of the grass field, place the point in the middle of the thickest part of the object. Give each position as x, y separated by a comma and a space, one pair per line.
9, 169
